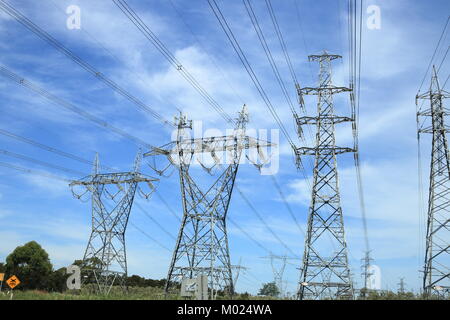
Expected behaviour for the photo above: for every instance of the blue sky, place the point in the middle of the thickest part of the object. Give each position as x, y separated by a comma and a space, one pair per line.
394, 61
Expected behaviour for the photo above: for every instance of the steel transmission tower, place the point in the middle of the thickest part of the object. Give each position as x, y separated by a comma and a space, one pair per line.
278, 272
104, 262
202, 244
401, 286
436, 278
325, 273
366, 273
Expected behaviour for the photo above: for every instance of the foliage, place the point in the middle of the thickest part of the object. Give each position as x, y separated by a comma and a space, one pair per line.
32, 263
137, 281
269, 289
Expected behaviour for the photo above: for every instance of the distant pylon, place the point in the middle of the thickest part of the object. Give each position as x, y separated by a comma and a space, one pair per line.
436, 278
325, 273
104, 261
366, 273
202, 244
401, 286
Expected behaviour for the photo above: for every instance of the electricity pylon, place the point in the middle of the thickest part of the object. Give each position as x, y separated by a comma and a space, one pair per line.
104, 261
401, 286
325, 273
436, 279
366, 273
202, 244
278, 271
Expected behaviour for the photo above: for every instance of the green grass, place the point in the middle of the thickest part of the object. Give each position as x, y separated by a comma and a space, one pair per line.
149, 293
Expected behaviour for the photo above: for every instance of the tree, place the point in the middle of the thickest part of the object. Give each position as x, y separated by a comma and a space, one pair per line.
31, 264
269, 289
57, 280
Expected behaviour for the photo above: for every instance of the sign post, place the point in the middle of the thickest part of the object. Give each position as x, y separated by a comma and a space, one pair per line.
12, 282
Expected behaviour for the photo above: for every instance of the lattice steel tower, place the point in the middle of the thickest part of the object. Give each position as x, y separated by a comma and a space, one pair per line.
325, 273
104, 262
202, 243
436, 278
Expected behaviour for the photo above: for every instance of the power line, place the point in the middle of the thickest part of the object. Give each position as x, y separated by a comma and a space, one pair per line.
264, 222
34, 172
282, 42
151, 36
113, 56
211, 58
155, 221
273, 64
434, 54
300, 25
247, 234
148, 236
39, 162
230, 35
288, 207
58, 101
262, 40
48, 148
19, 17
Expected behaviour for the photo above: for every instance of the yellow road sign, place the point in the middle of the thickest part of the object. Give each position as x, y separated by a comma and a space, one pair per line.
2, 276
13, 282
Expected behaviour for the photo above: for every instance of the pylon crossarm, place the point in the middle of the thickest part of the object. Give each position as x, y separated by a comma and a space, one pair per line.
441, 94
210, 144
323, 90
323, 57
324, 119
323, 150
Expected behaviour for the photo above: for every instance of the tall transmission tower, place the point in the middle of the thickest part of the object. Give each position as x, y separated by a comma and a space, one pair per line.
238, 269
202, 243
436, 279
278, 271
366, 273
104, 262
401, 286
325, 273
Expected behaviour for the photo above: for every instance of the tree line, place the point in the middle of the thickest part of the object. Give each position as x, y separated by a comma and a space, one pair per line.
31, 264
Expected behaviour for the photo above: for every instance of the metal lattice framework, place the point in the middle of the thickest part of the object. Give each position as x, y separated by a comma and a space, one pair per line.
202, 244
325, 273
436, 278
104, 262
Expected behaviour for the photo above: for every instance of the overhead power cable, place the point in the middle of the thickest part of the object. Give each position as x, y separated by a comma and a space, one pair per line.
39, 162
434, 53
236, 225
58, 101
148, 236
281, 40
237, 48
48, 148
34, 172
154, 221
274, 67
266, 225
160, 46
19, 17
